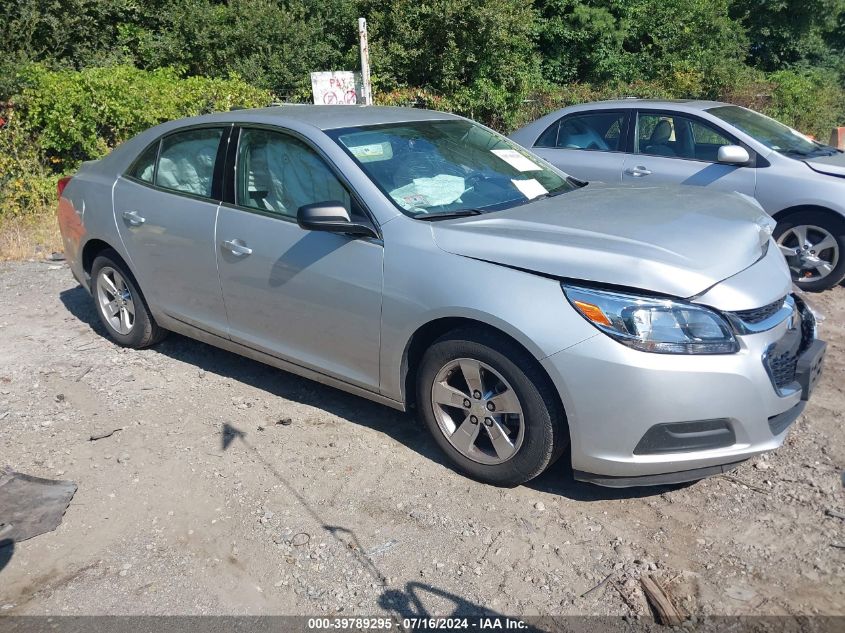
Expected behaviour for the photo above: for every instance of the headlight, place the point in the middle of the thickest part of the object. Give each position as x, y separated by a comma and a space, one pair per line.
654, 325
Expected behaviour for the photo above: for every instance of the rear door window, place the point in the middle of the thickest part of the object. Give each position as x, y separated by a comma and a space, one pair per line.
187, 159
592, 131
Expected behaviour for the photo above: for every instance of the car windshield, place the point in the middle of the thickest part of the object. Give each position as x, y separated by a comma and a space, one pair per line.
769, 132
445, 168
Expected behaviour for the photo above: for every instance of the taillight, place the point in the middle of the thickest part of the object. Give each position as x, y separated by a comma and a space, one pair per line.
60, 186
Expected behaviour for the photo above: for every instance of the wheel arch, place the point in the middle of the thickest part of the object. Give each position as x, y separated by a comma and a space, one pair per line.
808, 208
426, 334
92, 248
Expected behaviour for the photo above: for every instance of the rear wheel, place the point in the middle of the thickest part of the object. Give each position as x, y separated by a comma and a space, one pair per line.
814, 246
490, 408
120, 304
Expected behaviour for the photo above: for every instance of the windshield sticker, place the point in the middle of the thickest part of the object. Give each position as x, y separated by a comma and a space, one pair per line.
530, 188
516, 160
372, 152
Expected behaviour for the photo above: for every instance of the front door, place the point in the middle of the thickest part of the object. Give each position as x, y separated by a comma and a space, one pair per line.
671, 149
309, 297
165, 212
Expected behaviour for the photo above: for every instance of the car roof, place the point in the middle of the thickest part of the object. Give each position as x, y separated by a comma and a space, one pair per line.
672, 104
327, 117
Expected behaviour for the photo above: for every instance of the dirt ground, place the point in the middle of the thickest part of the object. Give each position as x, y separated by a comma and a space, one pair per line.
204, 504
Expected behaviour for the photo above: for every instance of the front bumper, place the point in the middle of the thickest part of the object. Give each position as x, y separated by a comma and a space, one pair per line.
615, 396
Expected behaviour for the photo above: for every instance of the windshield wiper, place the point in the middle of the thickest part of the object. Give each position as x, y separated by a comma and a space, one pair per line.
446, 215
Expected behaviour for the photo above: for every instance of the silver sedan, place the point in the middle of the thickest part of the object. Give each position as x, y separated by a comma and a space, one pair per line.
642, 142
423, 261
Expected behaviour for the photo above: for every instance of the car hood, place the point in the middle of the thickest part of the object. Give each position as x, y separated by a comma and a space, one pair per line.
674, 240
830, 165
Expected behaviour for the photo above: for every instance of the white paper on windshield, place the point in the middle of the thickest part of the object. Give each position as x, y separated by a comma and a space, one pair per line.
429, 192
516, 160
530, 188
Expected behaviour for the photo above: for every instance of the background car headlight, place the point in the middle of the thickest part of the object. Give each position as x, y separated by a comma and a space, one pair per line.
654, 325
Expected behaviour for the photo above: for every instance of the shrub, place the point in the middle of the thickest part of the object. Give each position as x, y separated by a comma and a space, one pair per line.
27, 185
81, 115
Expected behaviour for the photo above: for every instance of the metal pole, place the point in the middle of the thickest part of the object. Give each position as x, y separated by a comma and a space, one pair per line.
366, 90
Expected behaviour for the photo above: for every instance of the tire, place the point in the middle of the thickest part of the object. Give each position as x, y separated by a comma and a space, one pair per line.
109, 273
816, 225
538, 436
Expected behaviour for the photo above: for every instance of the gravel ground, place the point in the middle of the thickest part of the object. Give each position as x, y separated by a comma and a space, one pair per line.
204, 503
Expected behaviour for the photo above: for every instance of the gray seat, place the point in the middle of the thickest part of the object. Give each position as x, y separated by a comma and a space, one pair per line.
658, 144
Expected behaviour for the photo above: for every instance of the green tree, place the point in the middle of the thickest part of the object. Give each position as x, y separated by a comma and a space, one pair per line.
785, 33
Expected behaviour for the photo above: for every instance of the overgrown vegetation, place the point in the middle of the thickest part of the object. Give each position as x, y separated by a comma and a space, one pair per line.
83, 75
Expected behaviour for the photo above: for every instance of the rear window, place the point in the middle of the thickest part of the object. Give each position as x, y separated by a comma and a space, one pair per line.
144, 166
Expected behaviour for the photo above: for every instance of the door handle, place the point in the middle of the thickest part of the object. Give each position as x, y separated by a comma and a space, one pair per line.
638, 171
237, 248
133, 218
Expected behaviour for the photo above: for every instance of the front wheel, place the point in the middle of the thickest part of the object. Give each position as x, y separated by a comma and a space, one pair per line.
490, 407
814, 246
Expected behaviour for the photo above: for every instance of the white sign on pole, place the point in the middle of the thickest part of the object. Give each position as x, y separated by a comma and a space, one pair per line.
338, 87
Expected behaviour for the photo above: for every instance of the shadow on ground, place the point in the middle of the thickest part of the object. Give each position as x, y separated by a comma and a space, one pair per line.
7, 550
402, 427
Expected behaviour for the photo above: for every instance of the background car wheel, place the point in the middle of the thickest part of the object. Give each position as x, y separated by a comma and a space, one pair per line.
120, 304
814, 246
490, 407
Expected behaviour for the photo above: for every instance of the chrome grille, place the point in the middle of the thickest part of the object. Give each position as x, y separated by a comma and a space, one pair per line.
758, 315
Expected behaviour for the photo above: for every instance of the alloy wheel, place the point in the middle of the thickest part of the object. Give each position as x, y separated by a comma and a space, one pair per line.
115, 300
811, 252
478, 411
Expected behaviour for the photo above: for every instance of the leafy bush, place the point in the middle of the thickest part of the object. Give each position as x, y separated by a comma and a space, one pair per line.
80, 115
811, 101
27, 185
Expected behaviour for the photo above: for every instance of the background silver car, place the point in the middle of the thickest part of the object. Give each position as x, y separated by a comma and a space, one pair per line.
800, 182
419, 259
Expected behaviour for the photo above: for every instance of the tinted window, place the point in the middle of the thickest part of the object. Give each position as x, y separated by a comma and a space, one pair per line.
549, 137
279, 174
186, 161
598, 131
144, 166
678, 137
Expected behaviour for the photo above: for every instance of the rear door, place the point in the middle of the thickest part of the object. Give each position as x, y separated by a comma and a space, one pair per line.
675, 149
588, 145
309, 297
165, 208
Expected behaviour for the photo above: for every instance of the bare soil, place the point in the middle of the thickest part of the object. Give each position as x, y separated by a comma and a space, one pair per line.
203, 503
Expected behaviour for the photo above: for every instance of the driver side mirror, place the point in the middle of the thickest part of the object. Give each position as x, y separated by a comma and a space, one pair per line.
332, 217
733, 155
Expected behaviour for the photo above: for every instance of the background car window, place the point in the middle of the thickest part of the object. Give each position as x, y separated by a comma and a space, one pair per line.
144, 166
186, 161
599, 131
279, 173
679, 137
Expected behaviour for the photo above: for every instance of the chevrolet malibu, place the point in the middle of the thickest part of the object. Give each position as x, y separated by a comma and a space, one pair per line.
423, 261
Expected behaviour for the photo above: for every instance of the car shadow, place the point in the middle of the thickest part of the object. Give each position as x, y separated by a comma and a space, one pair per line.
7, 550
559, 480
402, 427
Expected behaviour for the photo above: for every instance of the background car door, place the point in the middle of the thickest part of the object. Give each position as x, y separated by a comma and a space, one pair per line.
587, 145
165, 211
309, 297
675, 149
